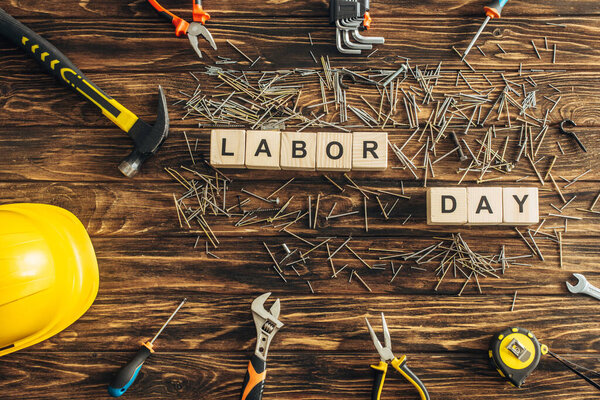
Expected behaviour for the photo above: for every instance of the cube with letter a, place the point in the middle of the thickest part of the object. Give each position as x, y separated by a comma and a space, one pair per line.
334, 151
262, 149
298, 151
369, 151
484, 205
227, 148
446, 206
520, 205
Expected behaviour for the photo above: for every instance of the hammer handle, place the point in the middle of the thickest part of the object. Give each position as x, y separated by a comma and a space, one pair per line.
58, 65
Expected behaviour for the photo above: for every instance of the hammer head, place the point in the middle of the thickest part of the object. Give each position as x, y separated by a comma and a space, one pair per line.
147, 139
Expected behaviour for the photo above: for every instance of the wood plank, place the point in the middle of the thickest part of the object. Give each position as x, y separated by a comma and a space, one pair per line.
219, 376
130, 208
305, 9
154, 48
421, 323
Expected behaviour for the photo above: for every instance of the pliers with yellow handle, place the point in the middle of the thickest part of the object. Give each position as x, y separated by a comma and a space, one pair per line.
399, 364
193, 29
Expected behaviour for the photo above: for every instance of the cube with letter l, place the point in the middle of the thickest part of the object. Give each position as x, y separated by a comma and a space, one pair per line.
227, 148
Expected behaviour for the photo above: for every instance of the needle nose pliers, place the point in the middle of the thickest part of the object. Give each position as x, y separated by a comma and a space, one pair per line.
192, 30
399, 364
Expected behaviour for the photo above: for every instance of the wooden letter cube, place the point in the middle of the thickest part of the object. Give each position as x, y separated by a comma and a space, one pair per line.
262, 149
298, 151
484, 205
334, 151
446, 206
227, 148
369, 151
521, 206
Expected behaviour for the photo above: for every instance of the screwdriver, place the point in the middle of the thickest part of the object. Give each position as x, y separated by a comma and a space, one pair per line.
126, 375
492, 10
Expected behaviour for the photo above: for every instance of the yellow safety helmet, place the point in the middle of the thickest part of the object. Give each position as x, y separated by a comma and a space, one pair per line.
48, 273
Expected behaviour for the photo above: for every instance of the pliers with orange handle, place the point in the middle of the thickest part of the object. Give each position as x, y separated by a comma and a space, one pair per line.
192, 30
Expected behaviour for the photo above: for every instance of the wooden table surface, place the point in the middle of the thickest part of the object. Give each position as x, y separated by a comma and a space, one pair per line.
56, 148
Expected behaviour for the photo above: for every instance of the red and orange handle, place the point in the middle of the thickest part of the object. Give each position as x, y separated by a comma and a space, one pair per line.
494, 9
254, 382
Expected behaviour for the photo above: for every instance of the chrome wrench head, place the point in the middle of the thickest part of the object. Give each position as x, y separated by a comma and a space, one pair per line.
195, 30
580, 286
267, 324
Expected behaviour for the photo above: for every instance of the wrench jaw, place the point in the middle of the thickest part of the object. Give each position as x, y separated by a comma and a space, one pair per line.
267, 324
580, 286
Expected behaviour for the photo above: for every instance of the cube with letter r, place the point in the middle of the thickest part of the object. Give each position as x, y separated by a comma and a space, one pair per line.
369, 151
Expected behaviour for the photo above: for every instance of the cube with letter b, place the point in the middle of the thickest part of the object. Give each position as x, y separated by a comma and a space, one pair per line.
262, 149
369, 151
521, 205
298, 151
446, 206
227, 148
334, 151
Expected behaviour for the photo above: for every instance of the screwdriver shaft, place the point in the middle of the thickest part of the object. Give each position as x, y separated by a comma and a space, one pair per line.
169, 320
481, 28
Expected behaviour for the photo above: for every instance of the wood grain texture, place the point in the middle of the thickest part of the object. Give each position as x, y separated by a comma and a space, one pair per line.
55, 148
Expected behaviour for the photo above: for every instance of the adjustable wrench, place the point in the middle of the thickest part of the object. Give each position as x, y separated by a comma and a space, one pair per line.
584, 287
267, 325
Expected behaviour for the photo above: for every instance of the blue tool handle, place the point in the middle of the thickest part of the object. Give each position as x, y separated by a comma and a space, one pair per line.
127, 375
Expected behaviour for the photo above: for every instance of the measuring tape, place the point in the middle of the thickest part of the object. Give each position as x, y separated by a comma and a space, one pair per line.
515, 353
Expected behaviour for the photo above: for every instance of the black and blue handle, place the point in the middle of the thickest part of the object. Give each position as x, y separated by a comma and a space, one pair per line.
127, 375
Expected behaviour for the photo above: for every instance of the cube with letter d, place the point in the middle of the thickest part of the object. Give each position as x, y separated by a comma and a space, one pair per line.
227, 148
447, 206
369, 151
521, 205
298, 151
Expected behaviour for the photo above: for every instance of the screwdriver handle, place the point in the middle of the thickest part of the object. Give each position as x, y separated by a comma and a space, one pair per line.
494, 9
127, 375
254, 382
58, 65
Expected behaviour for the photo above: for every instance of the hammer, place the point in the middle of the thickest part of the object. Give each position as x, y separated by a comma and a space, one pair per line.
147, 139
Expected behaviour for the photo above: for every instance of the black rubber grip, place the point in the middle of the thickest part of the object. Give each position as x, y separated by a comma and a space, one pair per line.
254, 383
53, 61
377, 384
129, 371
425, 394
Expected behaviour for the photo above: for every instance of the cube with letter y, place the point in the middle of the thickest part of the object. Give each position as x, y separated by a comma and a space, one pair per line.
298, 151
369, 151
446, 206
484, 205
227, 148
521, 205
262, 149
334, 151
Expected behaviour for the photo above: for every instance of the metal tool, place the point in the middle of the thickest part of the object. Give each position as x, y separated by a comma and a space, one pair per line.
194, 29
569, 133
584, 287
267, 325
399, 364
127, 375
147, 139
350, 17
492, 10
